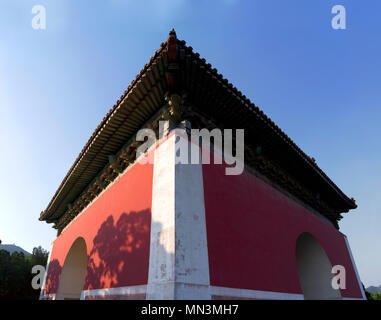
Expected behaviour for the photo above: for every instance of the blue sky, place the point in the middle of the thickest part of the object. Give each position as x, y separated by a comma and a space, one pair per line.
321, 86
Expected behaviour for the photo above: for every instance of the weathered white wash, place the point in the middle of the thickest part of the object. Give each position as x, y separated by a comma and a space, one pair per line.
178, 267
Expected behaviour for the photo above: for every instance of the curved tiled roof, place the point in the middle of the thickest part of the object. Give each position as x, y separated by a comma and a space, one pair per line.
145, 95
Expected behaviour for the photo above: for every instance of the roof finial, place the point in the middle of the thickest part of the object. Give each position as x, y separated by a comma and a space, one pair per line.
172, 32
172, 45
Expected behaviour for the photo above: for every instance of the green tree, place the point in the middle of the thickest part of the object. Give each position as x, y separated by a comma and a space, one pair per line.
39, 256
5, 263
15, 274
377, 296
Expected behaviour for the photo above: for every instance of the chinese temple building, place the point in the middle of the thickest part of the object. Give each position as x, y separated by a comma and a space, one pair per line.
162, 229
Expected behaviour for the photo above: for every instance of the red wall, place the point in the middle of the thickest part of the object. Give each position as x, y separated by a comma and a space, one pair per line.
116, 228
252, 230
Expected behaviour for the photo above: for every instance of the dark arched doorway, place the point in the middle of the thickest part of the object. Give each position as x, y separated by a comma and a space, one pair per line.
73, 272
314, 269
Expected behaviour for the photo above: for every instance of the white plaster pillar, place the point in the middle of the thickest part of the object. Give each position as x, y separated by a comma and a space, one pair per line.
178, 266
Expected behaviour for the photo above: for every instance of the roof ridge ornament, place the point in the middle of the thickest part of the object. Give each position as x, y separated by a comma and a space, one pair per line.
172, 46
173, 65
173, 33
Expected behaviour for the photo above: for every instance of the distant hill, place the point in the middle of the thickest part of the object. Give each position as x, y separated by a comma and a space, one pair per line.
12, 248
373, 289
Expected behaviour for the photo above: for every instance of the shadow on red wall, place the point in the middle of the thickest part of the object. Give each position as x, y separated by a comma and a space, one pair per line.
120, 253
53, 277
118, 257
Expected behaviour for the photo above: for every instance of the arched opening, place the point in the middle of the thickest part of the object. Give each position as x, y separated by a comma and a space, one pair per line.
314, 269
73, 272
